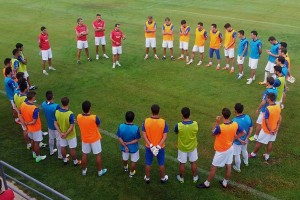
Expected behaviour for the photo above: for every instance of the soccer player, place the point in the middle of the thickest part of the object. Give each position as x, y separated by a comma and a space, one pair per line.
45, 50
240, 144
229, 44
273, 54
116, 37
23, 65
279, 84
155, 131
224, 136
82, 31
7, 63
214, 45
200, 37
242, 52
50, 108
90, 136
168, 38
150, 35
263, 104
30, 118
255, 52
187, 144
15, 63
270, 126
129, 135
64, 123
10, 87
99, 27
184, 39
284, 53
283, 64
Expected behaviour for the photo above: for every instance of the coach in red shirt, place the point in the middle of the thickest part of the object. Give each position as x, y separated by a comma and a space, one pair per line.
81, 33
116, 37
99, 27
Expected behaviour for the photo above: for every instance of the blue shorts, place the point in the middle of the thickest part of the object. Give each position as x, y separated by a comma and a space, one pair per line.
160, 157
211, 53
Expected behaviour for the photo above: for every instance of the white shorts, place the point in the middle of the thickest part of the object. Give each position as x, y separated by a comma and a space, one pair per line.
260, 118
134, 157
184, 45
240, 62
53, 134
270, 67
253, 63
82, 44
223, 158
151, 42
182, 156
229, 52
199, 49
95, 147
237, 149
167, 44
117, 50
265, 138
100, 40
46, 54
72, 143
36, 136
26, 75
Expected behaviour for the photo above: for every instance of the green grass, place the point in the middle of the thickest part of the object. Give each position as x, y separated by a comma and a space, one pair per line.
138, 84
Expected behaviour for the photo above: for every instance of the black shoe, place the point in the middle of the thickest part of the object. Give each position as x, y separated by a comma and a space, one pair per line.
201, 186
221, 183
163, 58
146, 180
172, 58
89, 59
78, 62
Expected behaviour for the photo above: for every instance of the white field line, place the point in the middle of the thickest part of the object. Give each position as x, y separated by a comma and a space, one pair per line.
202, 171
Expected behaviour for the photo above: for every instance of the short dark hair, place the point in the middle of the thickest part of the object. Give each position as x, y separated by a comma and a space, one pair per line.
239, 108
226, 113
167, 19
30, 95
283, 44
242, 32
86, 106
271, 39
227, 25
21, 80
278, 68
49, 95
270, 80
155, 109
78, 20
271, 96
19, 45
254, 33
281, 59
150, 17
98, 15
117, 25
283, 50
23, 85
200, 23
185, 111
129, 116
7, 61
183, 22
15, 51
65, 101
8, 70
43, 28
214, 25
20, 75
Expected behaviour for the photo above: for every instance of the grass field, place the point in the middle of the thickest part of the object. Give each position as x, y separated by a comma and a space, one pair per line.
138, 84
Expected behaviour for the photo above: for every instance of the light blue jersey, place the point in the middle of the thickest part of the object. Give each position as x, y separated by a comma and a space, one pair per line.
255, 46
129, 132
245, 122
10, 87
274, 50
243, 44
267, 91
49, 111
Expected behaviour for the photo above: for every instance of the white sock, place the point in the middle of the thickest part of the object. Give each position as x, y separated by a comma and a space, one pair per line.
65, 159
58, 148
267, 156
207, 183
51, 145
225, 182
253, 154
218, 65
182, 55
266, 75
245, 156
187, 57
211, 63
237, 161
75, 161
227, 65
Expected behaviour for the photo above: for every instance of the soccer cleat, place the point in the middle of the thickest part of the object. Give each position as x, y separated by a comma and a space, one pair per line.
225, 68
28, 146
78, 62
218, 67
126, 168
201, 186
43, 145
180, 58
97, 57
262, 83
52, 153
45, 72
33, 155
40, 158
249, 81
236, 169
114, 65
246, 164
32, 87
232, 70
164, 58
147, 180
117, 63
240, 76
61, 158
102, 172
208, 65
45, 133
52, 68
195, 179
78, 163
253, 138
250, 156
189, 62
181, 180
164, 180
172, 58
266, 157
221, 183
89, 59
199, 63
66, 161
156, 57
105, 56
187, 59
146, 57
131, 174
84, 172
